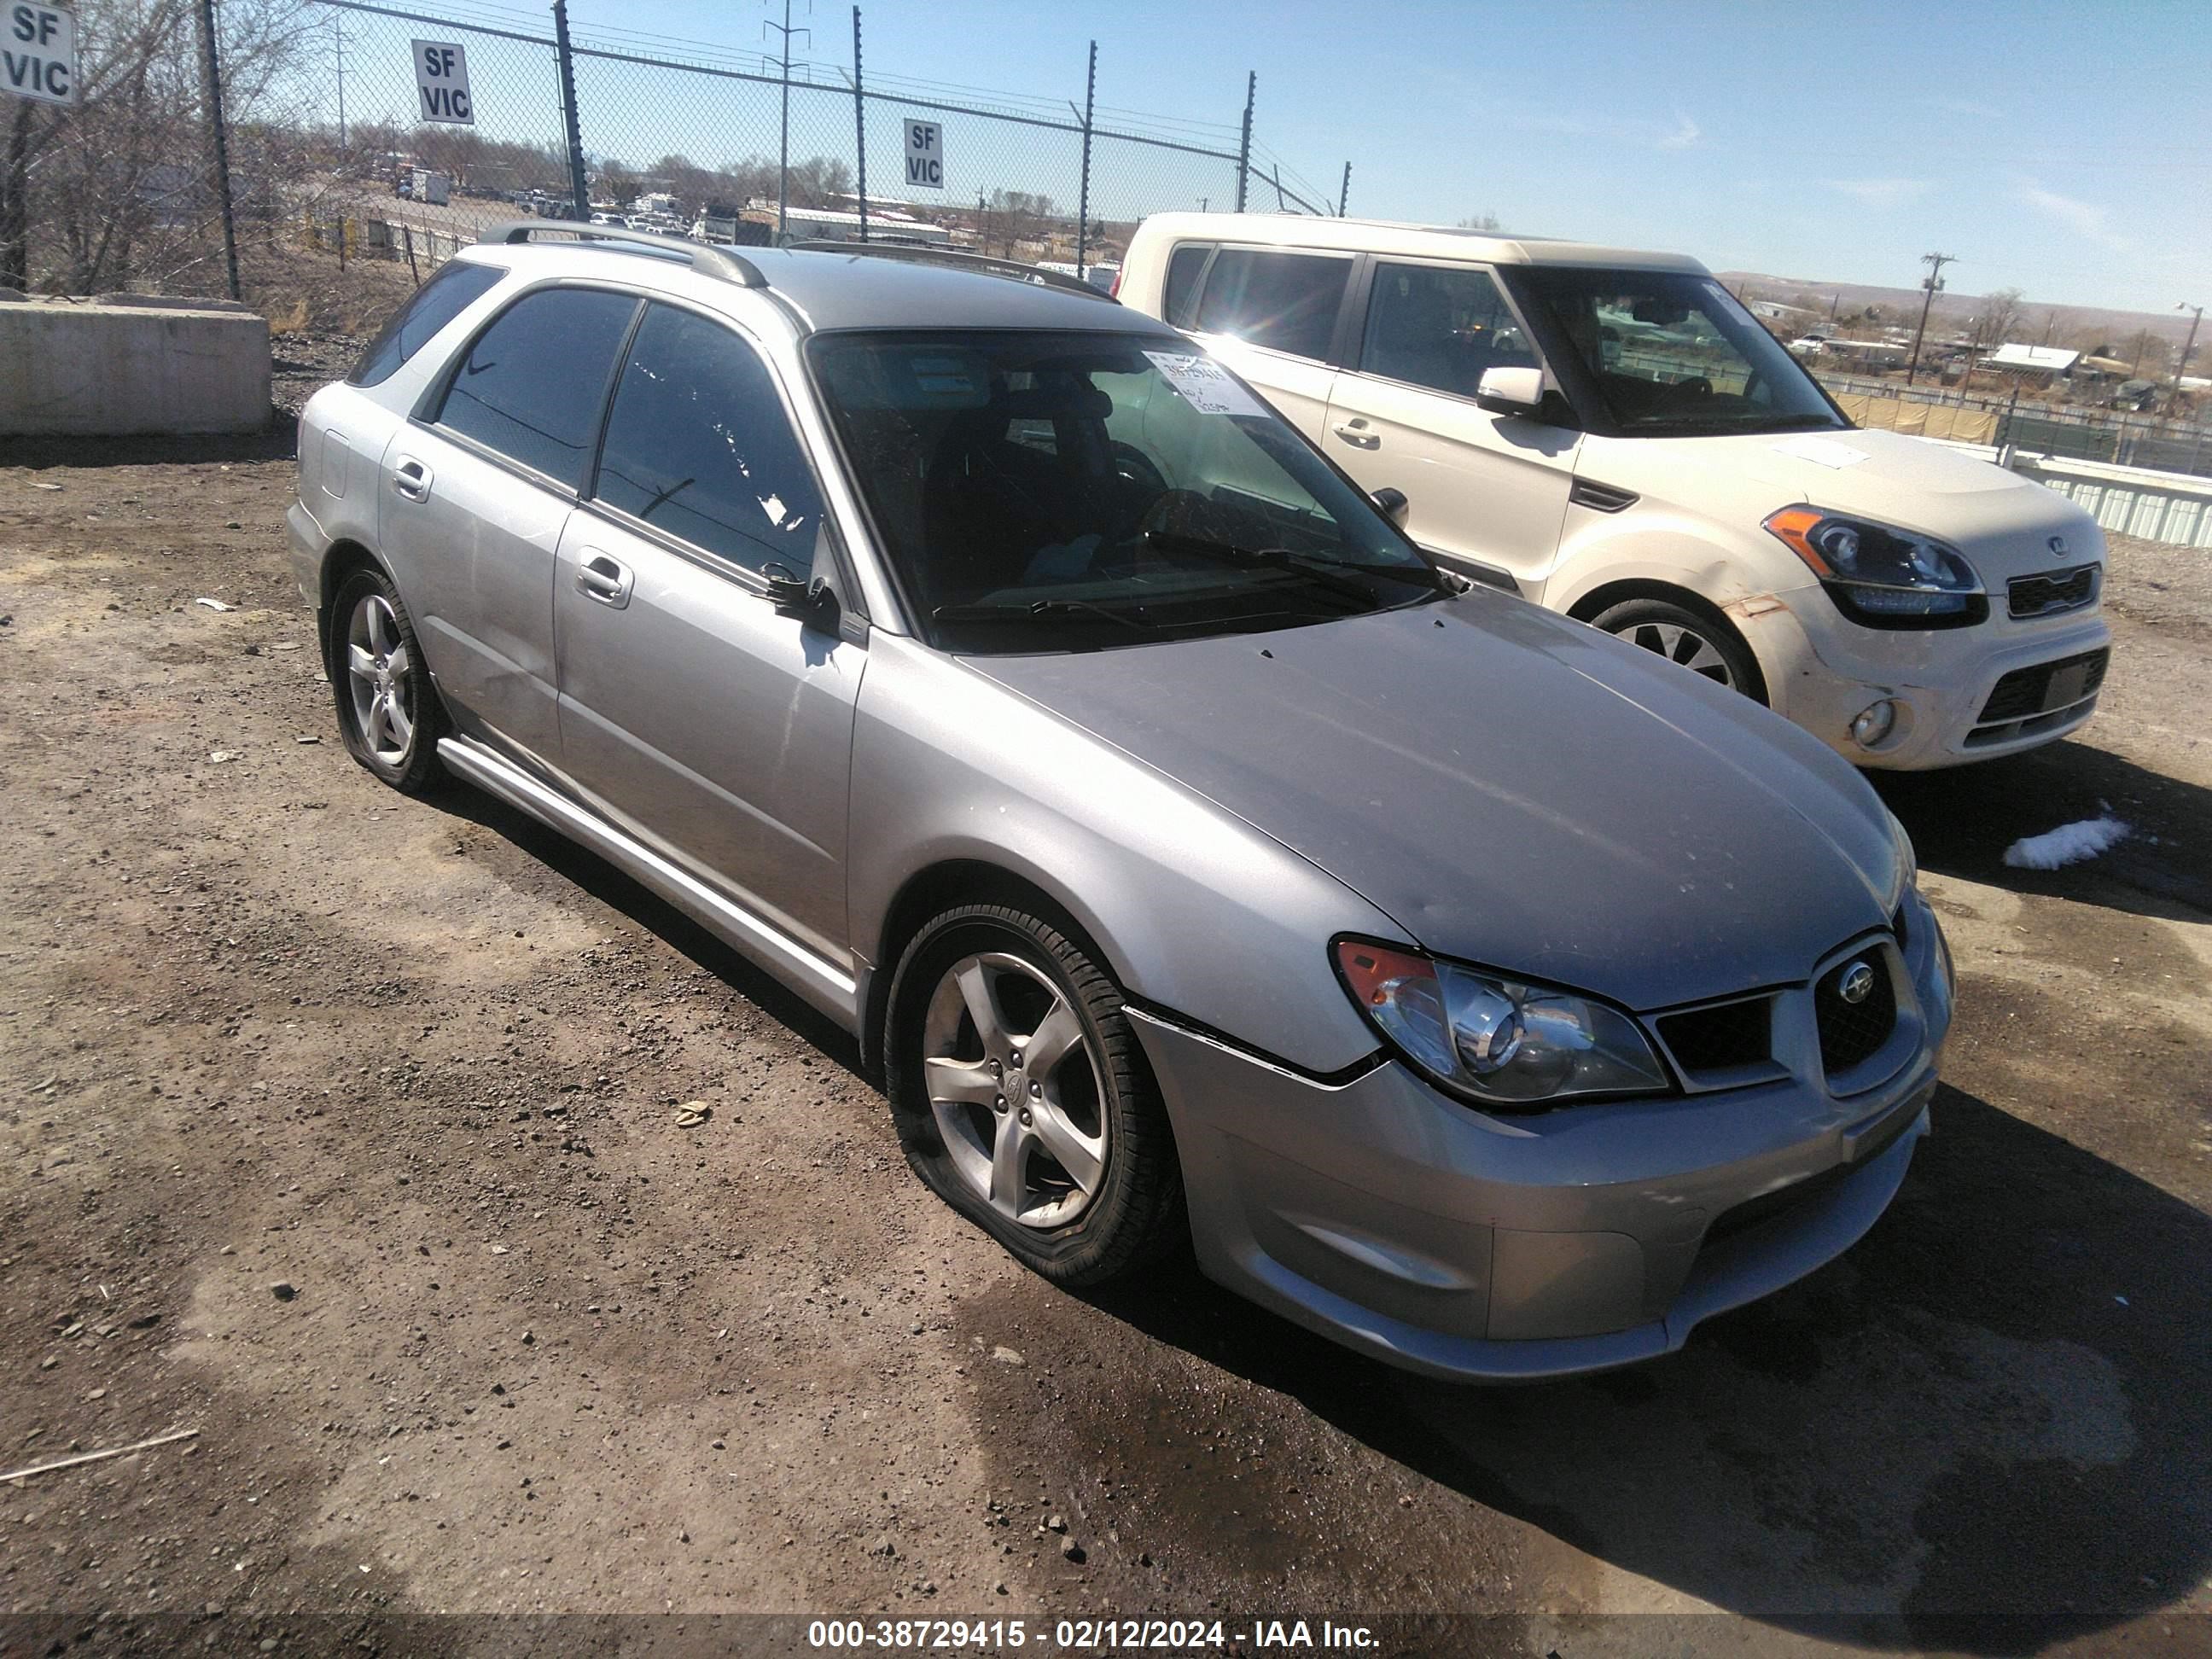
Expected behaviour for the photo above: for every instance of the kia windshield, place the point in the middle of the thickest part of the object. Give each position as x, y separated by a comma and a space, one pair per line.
1077, 490
1673, 354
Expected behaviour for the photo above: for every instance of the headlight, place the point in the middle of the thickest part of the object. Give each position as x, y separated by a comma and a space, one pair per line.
1879, 576
1498, 1041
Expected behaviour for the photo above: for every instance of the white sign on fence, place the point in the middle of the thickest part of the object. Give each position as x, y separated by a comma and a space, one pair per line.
38, 53
925, 155
442, 79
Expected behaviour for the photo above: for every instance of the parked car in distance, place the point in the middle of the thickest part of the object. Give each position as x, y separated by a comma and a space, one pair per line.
1609, 433
1199, 863
1809, 345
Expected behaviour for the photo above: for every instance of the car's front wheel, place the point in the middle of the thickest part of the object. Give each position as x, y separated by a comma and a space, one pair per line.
388, 710
1689, 639
1021, 1097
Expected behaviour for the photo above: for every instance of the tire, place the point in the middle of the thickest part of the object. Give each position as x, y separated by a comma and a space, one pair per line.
1697, 640
388, 710
996, 1154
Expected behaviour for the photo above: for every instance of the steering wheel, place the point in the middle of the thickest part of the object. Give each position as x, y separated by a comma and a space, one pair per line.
1183, 513
1132, 465
1697, 385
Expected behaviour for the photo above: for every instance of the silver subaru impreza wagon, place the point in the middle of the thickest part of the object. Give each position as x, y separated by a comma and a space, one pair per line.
1200, 864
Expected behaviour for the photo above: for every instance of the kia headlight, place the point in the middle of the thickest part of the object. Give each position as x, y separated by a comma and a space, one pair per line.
1880, 576
1493, 1039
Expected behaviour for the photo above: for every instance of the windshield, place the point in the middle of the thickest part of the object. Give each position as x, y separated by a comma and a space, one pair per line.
1669, 353
1054, 491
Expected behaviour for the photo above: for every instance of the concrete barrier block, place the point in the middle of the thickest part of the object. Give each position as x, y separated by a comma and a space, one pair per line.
107, 370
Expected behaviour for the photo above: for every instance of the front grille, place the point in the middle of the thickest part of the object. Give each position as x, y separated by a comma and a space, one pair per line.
1714, 1039
2026, 692
2046, 596
1852, 1033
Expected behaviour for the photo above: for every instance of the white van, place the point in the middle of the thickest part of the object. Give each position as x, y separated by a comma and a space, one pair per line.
1611, 435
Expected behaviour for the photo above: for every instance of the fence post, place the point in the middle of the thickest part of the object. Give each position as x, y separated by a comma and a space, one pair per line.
860, 125
1083, 195
1244, 145
579, 191
213, 66
1344, 192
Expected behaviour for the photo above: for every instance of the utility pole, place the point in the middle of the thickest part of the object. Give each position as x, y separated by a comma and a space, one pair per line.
212, 68
338, 29
859, 124
783, 154
2182, 367
1932, 282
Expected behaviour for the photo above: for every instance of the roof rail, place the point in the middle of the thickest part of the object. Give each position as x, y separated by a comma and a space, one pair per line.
711, 259
982, 263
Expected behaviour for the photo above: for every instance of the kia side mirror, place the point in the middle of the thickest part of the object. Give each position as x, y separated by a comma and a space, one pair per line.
1511, 391
1393, 504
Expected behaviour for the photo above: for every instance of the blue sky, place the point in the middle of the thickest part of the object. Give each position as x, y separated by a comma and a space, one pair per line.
2062, 149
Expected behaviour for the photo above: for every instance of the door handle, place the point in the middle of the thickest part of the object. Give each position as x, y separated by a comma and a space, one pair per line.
410, 478
1356, 434
603, 579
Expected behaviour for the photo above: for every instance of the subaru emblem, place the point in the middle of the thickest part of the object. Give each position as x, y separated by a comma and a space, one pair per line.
1856, 984
2058, 547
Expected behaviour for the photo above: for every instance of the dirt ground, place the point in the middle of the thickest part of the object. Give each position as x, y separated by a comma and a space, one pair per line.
341, 1129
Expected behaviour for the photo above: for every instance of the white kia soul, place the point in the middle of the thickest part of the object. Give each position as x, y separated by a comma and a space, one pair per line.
1611, 435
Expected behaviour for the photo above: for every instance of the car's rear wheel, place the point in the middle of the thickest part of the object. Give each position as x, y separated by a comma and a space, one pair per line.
388, 710
1690, 640
1021, 1097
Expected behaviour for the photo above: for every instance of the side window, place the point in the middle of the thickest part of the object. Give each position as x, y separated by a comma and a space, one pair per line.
698, 444
1440, 326
453, 288
529, 386
1183, 276
1285, 302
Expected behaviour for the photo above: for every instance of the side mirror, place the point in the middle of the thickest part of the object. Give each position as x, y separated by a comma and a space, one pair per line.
1393, 504
1510, 390
792, 595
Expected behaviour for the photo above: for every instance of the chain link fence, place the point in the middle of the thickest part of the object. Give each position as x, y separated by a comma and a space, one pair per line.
2123, 439
330, 153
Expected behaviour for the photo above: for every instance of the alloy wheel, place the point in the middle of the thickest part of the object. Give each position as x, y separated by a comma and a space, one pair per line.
379, 676
1015, 1089
1682, 646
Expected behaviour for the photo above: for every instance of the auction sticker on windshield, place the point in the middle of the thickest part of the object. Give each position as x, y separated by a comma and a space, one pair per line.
1204, 384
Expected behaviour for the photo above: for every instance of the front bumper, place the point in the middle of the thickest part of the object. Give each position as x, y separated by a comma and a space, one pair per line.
1468, 1246
1821, 670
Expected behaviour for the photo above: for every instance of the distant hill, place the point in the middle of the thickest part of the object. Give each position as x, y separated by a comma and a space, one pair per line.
1952, 308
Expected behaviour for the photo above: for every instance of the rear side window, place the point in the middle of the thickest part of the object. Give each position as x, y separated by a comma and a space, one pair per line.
1284, 302
1182, 278
449, 292
1440, 326
699, 445
531, 385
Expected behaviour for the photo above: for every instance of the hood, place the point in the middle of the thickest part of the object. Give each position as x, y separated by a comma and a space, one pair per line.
1513, 789
2001, 521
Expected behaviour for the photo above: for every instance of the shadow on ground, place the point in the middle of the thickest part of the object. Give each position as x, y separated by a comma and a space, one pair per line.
1963, 818
595, 875
1981, 1430
274, 442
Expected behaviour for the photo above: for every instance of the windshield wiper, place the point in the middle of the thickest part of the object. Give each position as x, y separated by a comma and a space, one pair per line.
1320, 571
1032, 610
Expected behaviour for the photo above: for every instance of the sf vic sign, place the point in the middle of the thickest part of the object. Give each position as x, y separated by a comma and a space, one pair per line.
441, 82
38, 53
